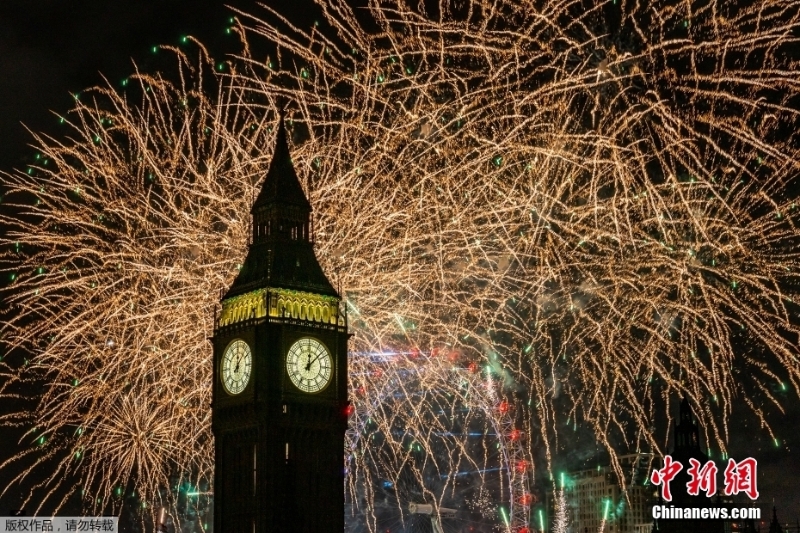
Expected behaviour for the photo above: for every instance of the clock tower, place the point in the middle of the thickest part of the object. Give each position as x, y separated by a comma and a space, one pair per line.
279, 410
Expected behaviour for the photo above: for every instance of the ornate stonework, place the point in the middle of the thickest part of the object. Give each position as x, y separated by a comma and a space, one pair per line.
283, 303
304, 306
243, 307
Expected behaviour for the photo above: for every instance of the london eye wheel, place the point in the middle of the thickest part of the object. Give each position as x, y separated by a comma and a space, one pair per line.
429, 429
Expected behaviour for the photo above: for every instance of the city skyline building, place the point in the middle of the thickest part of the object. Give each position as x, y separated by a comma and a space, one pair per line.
597, 496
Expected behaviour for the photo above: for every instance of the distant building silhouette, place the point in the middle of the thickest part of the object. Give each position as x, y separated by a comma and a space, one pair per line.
775, 526
687, 446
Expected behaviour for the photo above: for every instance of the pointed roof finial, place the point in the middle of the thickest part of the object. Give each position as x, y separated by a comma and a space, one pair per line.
775, 526
686, 413
281, 186
282, 250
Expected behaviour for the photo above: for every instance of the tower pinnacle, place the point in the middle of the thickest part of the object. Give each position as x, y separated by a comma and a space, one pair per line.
282, 251
281, 187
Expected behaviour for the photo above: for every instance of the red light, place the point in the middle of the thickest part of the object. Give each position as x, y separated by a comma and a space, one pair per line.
473, 367
453, 356
415, 353
523, 530
349, 410
377, 373
521, 466
515, 434
503, 407
526, 499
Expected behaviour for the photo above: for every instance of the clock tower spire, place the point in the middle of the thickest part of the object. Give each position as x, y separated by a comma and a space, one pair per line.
281, 222
280, 374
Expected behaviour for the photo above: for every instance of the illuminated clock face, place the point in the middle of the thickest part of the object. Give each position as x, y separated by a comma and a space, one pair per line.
309, 365
237, 364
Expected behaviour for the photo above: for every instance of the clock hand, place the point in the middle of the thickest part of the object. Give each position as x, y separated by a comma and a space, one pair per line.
310, 362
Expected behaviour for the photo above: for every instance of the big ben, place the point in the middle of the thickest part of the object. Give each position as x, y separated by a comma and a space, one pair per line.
279, 409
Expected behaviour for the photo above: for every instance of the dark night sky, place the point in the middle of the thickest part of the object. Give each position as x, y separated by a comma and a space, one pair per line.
50, 48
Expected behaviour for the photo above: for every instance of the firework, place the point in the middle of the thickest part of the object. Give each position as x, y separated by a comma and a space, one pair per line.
116, 262
590, 202
561, 520
594, 198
